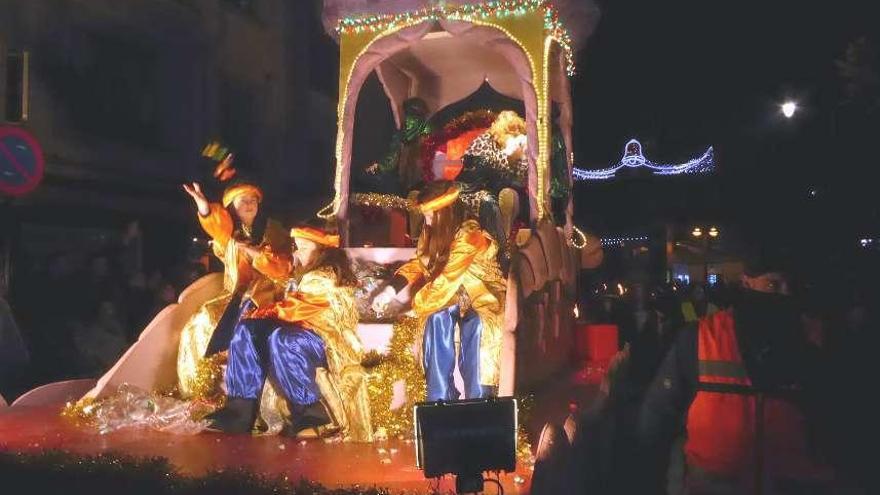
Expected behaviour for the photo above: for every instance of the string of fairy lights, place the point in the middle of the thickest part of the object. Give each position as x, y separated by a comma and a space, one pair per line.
497, 9
620, 241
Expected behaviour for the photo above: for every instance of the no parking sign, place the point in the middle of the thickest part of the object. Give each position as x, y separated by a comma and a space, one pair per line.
21, 161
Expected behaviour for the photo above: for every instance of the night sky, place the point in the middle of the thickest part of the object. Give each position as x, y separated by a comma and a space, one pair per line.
683, 75
692, 73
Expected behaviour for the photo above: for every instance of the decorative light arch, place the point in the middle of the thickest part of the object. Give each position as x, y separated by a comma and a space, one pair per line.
633, 158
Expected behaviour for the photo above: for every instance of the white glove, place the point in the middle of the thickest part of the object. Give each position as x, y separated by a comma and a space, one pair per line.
383, 299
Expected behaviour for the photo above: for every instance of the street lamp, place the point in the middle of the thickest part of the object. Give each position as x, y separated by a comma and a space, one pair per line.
789, 108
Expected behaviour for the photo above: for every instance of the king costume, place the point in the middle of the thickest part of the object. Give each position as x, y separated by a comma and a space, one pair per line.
470, 293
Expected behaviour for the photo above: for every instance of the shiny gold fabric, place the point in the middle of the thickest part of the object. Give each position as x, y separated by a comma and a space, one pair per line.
473, 266
240, 274
194, 338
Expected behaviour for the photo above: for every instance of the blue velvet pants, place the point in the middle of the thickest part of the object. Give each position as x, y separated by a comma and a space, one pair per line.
285, 353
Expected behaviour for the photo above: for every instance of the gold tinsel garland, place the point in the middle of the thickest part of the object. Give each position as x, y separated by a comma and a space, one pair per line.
207, 397
81, 412
525, 406
398, 364
209, 377
383, 201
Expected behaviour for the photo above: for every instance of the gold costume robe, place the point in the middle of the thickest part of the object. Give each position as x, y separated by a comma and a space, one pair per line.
329, 310
261, 280
471, 277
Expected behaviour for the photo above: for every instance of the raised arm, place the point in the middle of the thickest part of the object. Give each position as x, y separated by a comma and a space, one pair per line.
215, 220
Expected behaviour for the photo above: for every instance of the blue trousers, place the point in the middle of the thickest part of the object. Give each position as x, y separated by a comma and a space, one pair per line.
285, 353
438, 349
225, 327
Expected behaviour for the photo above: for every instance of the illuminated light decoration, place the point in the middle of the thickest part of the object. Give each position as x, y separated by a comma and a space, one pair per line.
327, 212
866, 243
578, 239
633, 158
620, 241
471, 13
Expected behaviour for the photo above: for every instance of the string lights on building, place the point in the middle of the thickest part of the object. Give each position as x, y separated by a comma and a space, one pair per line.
633, 158
620, 241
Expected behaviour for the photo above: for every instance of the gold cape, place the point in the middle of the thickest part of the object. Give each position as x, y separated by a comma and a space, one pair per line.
473, 266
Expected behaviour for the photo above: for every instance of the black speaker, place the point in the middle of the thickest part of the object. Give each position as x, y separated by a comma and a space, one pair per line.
466, 437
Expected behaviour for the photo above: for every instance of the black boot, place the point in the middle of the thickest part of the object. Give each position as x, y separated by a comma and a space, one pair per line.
489, 391
305, 417
237, 417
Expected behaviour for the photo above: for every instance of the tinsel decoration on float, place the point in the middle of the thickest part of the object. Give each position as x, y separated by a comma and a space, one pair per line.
130, 407
381, 201
474, 122
400, 368
398, 364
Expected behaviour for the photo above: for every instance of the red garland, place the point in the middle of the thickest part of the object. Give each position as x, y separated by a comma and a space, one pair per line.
456, 127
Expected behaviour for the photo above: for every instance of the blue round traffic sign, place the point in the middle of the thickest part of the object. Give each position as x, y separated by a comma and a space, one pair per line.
21, 161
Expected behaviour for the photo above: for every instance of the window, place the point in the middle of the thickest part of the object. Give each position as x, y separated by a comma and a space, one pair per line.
17, 68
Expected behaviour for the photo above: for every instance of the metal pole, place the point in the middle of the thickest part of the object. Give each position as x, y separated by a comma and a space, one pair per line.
706, 260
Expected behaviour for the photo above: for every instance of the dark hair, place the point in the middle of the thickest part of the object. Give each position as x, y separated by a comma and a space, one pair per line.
436, 239
258, 228
762, 260
333, 258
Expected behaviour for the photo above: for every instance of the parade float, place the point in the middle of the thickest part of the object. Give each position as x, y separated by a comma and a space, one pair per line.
430, 57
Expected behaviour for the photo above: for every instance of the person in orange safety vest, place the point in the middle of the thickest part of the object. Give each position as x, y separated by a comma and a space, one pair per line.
733, 396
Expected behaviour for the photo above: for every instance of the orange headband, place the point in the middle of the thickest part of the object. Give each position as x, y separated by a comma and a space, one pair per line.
441, 201
235, 191
323, 238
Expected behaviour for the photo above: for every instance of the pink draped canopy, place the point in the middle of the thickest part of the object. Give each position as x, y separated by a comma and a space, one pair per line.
446, 61
579, 16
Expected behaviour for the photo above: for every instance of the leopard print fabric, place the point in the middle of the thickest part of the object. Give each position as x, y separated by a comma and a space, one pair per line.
486, 148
